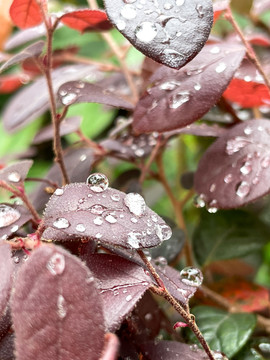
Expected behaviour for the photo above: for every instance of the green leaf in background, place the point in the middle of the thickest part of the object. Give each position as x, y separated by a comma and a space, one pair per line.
256, 349
223, 331
228, 235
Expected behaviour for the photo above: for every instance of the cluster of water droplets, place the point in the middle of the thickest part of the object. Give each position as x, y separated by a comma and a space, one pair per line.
8, 215
56, 264
191, 276
69, 97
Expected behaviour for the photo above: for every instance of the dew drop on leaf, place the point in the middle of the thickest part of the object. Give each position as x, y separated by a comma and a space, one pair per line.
199, 201
136, 204
14, 177
14, 228
69, 98
59, 192
129, 12
61, 307
246, 168
146, 32
242, 189
56, 264
265, 163
212, 207
161, 262
215, 50
110, 219
61, 223
8, 215
128, 298
98, 182
163, 232
191, 276
80, 228
178, 99
169, 85
134, 239
115, 197
97, 209
194, 347
16, 259
236, 144
228, 178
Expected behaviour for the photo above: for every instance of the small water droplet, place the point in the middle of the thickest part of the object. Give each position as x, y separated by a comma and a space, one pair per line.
242, 189
199, 201
163, 232
191, 276
80, 228
221, 67
134, 220
247, 78
134, 239
98, 235
169, 85
14, 228
248, 130
121, 25
215, 50
14, 177
136, 204
179, 2
83, 157
97, 209
69, 98
98, 182
128, 298
16, 259
115, 197
110, 219
61, 307
167, 6
56, 264
148, 317
200, 11
63, 92
178, 99
98, 220
246, 168
212, 207
194, 347
59, 192
61, 223
212, 188
197, 87
146, 32
129, 12
154, 218
228, 178
129, 1
265, 162
236, 144
161, 261
217, 355
8, 215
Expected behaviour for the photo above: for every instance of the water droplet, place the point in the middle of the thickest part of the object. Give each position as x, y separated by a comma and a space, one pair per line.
200, 11
212, 188
154, 218
217, 355
136, 204
197, 87
212, 207
248, 130
8, 215
61, 223
236, 144
169, 85
194, 347
61, 307
129, 12
121, 25
163, 232
247, 78
199, 201
16, 259
98, 235
97, 209
146, 32
63, 92
191, 276
69, 99
167, 6
215, 50
80, 228
221, 67
14, 228
242, 189
134, 239
265, 163
128, 298
134, 220
111, 219
161, 262
56, 264
172, 55
99, 182
115, 197
179, 2
228, 178
59, 192
178, 99
98, 220
246, 168
148, 317
83, 157
14, 177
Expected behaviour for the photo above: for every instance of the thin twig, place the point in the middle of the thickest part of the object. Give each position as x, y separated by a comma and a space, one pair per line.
150, 160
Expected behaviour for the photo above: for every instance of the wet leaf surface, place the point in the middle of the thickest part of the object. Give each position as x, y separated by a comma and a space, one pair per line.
26, 13
15, 173
75, 92
86, 20
162, 30
12, 218
31, 51
234, 169
6, 271
67, 310
184, 96
121, 284
107, 215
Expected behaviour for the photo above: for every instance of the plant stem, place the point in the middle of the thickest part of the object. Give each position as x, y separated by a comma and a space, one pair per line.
150, 160
250, 52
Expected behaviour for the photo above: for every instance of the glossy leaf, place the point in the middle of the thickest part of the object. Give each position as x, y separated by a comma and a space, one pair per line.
107, 215
15, 173
6, 270
233, 170
86, 20
121, 284
223, 331
161, 30
12, 218
75, 92
19, 111
31, 51
228, 235
175, 99
69, 308
26, 13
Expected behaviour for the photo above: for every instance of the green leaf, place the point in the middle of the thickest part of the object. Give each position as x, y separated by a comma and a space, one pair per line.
223, 331
228, 235
256, 349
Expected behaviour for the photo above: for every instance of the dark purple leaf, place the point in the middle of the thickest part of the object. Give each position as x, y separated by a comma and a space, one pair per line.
105, 215
178, 98
115, 83
75, 92
15, 173
12, 217
161, 30
171, 350
111, 348
187, 180
78, 164
68, 126
128, 181
198, 130
57, 311
31, 51
5, 323
7, 348
121, 283
6, 271
33, 100
234, 170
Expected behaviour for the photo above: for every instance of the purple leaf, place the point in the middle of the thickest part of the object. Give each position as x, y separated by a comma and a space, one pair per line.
31, 51
198, 130
75, 92
15, 173
171, 350
68, 126
33, 100
7, 348
12, 217
162, 31
235, 168
111, 348
121, 283
105, 215
22, 37
178, 98
56, 309
6, 271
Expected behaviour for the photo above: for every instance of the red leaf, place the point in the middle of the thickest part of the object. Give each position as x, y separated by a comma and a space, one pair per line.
10, 83
87, 20
219, 8
25, 13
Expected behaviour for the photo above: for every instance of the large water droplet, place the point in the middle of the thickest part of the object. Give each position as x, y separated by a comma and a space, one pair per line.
97, 209
191, 276
61, 307
14, 176
221, 67
146, 32
178, 99
129, 12
61, 223
80, 228
236, 144
98, 182
169, 85
69, 98
246, 168
242, 189
8, 215
163, 232
136, 204
110, 219
56, 264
